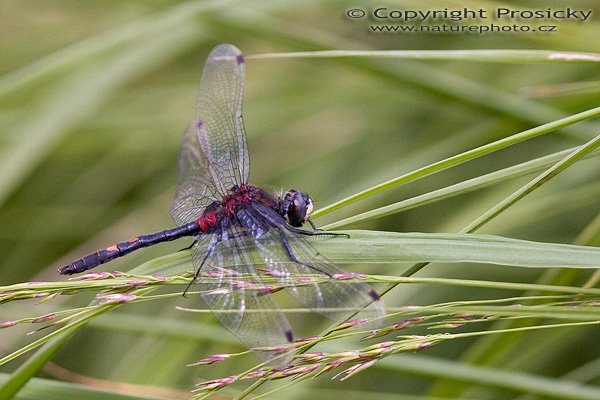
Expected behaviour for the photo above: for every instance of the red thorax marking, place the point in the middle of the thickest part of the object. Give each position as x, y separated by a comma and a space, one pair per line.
228, 206
207, 221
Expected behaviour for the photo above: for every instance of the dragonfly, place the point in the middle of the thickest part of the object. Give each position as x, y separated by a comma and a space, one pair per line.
243, 234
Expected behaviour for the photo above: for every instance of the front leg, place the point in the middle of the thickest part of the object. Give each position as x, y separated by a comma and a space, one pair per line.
315, 232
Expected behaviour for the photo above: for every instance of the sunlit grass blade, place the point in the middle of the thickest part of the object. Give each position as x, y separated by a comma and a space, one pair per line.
503, 56
382, 247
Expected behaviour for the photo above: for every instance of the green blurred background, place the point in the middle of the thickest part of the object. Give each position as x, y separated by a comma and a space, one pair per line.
94, 97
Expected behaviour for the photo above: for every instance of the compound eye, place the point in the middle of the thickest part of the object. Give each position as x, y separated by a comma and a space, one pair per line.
299, 208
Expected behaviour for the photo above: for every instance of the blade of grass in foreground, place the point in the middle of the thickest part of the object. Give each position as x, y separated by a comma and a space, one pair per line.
393, 247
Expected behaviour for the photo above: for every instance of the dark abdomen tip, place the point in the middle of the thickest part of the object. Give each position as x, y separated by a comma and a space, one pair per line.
66, 270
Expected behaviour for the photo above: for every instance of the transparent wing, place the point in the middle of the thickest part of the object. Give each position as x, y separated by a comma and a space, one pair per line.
237, 296
321, 286
317, 283
195, 186
219, 117
214, 155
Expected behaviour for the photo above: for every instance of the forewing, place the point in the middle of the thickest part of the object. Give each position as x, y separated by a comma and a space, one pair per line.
195, 186
236, 294
219, 117
214, 155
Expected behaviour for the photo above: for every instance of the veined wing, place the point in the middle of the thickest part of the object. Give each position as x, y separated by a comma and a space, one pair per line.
314, 281
219, 117
213, 155
196, 188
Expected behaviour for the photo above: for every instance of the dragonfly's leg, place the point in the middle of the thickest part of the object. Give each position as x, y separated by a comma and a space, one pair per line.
317, 232
292, 255
190, 246
209, 251
312, 224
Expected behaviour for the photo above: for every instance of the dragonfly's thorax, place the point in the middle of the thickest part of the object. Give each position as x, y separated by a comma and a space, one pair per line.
239, 196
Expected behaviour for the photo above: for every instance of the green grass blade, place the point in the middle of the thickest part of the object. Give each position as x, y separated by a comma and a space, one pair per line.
391, 247
503, 56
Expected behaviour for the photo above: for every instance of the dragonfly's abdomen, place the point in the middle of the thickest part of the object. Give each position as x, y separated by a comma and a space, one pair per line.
123, 248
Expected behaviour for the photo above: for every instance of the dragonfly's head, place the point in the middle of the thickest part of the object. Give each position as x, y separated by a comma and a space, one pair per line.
297, 207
